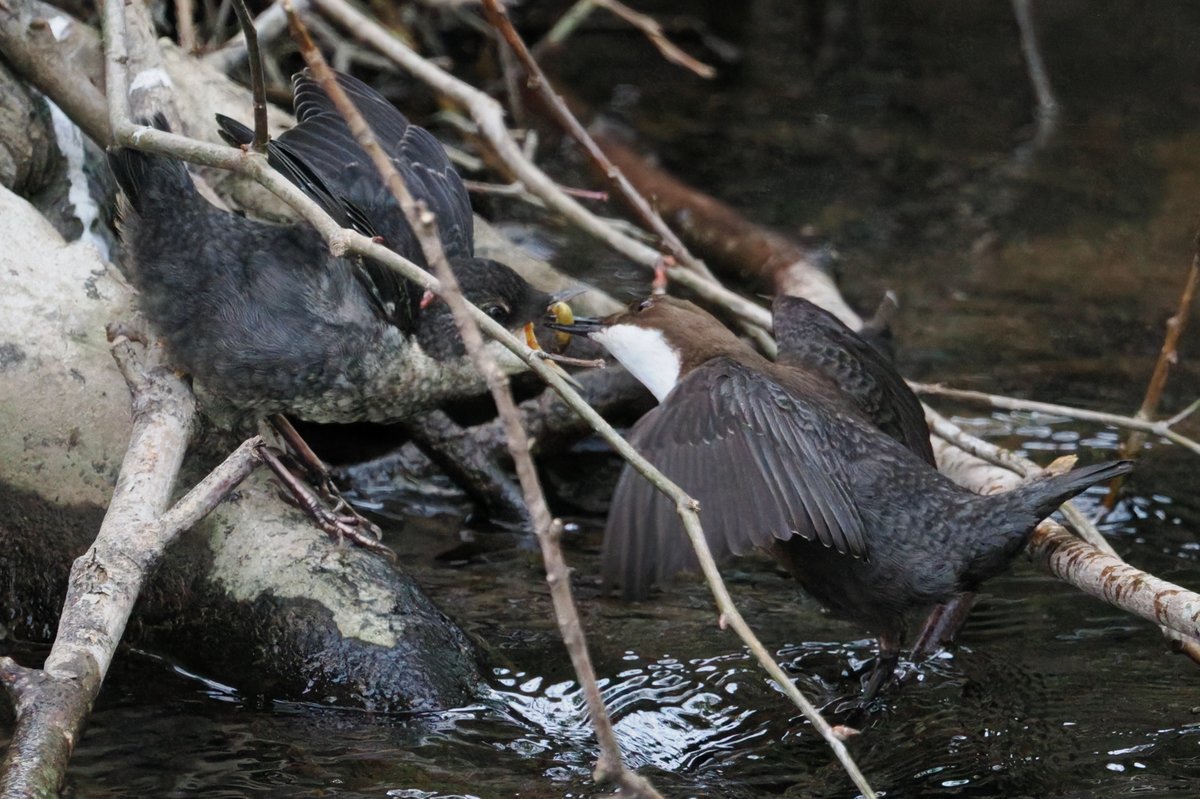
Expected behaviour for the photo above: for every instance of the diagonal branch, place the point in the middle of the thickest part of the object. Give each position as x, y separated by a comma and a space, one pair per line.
1140, 423
489, 116
611, 766
648, 25
53, 703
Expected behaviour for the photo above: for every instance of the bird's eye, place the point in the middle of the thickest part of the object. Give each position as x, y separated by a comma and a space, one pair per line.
496, 310
644, 304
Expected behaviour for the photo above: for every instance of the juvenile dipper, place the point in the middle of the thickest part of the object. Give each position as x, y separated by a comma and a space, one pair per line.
783, 459
263, 316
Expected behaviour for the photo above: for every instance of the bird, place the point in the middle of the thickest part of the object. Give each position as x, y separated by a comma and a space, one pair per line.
264, 317
782, 458
811, 338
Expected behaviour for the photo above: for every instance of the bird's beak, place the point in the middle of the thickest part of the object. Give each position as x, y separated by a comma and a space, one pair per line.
578, 326
532, 342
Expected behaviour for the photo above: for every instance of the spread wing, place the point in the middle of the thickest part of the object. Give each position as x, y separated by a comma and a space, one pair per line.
810, 337
755, 456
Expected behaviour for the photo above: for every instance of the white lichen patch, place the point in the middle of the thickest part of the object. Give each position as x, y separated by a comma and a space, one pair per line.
63, 403
261, 545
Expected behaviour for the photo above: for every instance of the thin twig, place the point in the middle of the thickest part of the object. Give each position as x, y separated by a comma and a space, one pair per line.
654, 32
1047, 106
517, 188
611, 766
185, 23
258, 84
1137, 423
677, 252
1167, 356
498, 17
489, 116
648, 25
268, 25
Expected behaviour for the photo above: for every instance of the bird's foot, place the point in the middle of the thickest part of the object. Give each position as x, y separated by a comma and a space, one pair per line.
351, 527
341, 523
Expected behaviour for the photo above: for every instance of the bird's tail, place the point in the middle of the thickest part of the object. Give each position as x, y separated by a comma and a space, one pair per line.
1043, 495
147, 178
1001, 531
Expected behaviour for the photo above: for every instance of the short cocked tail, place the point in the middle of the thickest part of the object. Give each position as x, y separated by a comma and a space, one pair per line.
1001, 533
1043, 495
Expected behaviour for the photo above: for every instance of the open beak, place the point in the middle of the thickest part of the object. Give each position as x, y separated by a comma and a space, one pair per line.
532, 342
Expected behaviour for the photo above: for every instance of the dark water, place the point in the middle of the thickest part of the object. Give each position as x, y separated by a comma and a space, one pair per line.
1053, 285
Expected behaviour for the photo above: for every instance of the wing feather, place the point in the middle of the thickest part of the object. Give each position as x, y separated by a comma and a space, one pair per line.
753, 453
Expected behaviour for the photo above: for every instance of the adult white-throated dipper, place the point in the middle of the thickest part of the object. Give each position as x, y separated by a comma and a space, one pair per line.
780, 458
263, 316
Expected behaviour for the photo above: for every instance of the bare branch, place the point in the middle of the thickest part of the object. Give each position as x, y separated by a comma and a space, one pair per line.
268, 25
186, 25
1109, 578
1167, 357
648, 25
539, 83
53, 703
1047, 106
1138, 423
258, 84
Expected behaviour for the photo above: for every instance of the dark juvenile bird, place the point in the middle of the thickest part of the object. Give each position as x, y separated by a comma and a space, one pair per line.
265, 317
783, 459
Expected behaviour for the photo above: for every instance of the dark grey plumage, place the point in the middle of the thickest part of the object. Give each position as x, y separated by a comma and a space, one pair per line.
781, 458
815, 340
263, 315
321, 157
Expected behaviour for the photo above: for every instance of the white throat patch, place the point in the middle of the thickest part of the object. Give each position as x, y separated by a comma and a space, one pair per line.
645, 352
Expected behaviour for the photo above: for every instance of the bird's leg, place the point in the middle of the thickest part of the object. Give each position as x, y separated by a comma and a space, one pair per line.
885, 666
341, 521
318, 474
338, 527
943, 625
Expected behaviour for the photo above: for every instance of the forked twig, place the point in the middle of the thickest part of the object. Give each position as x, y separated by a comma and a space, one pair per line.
498, 17
1167, 357
52, 703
